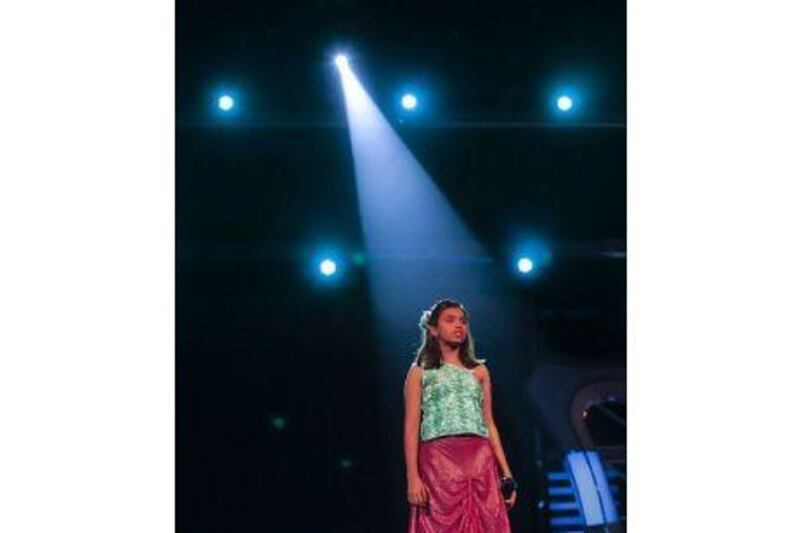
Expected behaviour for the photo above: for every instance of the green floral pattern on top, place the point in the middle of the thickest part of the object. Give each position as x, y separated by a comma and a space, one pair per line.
452, 403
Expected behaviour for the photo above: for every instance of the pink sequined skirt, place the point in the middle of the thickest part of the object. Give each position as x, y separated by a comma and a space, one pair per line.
462, 477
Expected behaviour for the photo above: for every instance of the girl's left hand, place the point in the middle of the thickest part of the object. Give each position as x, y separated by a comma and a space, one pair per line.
511, 500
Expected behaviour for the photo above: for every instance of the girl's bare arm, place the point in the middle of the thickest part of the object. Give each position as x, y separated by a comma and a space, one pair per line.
413, 401
482, 373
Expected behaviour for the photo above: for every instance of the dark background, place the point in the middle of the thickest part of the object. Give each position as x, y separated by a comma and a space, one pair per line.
259, 341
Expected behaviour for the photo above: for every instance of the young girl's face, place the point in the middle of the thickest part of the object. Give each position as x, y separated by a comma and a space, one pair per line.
452, 326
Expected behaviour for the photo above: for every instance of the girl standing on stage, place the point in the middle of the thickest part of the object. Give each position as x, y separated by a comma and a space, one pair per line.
452, 445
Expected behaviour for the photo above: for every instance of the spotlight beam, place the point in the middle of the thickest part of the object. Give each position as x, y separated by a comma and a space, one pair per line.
414, 238
418, 250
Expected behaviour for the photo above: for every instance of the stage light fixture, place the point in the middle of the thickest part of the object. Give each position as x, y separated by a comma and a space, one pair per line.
409, 102
328, 267
525, 265
225, 102
564, 103
340, 60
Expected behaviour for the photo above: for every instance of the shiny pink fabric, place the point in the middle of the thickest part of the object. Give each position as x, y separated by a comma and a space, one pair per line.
462, 477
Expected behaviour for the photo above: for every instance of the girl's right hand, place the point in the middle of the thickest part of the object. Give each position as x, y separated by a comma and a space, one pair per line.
417, 492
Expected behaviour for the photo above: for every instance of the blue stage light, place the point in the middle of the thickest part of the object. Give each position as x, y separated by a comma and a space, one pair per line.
225, 102
564, 103
525, 265
530, 258
409, 101
328, 267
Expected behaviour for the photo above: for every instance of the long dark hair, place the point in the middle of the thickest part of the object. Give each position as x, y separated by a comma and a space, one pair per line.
429, 354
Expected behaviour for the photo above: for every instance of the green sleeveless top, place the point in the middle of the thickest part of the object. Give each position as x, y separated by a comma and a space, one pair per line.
452, 403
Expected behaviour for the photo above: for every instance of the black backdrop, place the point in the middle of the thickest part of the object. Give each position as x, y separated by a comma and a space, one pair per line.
256, 339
